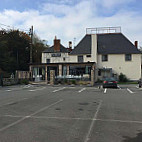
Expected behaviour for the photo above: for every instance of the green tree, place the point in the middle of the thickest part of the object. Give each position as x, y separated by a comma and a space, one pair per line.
14, 50
38, 47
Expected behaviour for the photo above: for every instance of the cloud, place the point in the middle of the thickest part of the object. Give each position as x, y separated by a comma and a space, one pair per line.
114, 3
70, 21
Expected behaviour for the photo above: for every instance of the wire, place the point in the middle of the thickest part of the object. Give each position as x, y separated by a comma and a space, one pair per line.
13, 27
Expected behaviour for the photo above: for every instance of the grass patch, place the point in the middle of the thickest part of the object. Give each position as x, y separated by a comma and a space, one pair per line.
129, 82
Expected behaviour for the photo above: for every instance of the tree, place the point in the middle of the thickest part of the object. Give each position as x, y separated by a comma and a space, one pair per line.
38, 47
15, 50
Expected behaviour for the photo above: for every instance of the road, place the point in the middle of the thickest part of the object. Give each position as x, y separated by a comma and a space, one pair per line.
35, 113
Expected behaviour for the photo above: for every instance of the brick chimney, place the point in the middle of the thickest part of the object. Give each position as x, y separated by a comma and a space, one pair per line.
136, 44
56, 45
70, 46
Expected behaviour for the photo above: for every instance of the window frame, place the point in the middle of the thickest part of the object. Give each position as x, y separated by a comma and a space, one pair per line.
105, 58
80, 59
48, 60
128, 57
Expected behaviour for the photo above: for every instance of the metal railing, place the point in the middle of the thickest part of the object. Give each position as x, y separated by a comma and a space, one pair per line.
102, 30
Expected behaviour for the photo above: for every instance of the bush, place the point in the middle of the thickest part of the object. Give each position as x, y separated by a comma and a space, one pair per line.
122, 78
24, 81
73, 81
65, 81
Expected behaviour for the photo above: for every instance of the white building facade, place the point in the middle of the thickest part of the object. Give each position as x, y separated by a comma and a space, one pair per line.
106, 54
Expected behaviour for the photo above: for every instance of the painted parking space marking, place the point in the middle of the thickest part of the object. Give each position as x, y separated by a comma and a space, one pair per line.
105, 90
8, 90
74, 118
37, 89
130, 91
119, 87
81, 90
93, 122
121, 121
25, 117
59, 89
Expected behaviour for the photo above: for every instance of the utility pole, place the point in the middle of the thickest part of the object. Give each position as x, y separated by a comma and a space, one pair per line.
31, 46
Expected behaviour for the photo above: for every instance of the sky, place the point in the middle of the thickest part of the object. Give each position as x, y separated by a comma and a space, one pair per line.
68, 19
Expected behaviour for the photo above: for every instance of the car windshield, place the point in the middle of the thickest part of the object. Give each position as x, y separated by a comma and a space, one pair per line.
110, 79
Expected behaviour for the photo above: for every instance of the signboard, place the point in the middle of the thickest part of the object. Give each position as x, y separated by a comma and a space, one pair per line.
56, 55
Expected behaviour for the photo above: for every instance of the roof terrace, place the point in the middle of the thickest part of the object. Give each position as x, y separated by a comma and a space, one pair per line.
103, 30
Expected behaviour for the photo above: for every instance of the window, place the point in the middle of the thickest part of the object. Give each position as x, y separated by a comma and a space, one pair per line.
80, 59
128, 57
88, 56
64, 58
104, 57
47, 60
99, 72
64, 70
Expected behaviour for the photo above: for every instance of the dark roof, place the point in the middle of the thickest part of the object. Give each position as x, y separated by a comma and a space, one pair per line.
115, 43
51, 49
84, 46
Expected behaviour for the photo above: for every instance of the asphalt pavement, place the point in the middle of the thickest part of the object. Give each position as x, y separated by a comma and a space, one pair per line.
44, 113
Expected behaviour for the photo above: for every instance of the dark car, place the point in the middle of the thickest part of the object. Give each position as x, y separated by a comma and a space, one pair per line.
110, 83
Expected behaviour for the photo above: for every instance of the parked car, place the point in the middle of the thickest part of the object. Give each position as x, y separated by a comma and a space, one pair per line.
110, 83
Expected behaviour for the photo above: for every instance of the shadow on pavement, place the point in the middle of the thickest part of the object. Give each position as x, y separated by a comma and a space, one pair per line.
138, 138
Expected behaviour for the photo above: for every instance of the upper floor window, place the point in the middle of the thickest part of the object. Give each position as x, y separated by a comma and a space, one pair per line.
80, 59
47, 60
104, 57
128, 57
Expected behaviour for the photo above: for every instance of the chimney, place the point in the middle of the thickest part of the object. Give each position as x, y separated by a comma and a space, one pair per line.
70, 44
56, 45
136, 44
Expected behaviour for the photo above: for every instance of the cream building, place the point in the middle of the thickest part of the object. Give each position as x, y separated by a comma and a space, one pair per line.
98, 54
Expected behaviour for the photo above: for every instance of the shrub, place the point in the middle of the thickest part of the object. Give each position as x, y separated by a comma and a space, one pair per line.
24, 81
122, 78
73, 81
65, 81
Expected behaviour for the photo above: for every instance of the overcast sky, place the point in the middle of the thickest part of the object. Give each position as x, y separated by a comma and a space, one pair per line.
68, 19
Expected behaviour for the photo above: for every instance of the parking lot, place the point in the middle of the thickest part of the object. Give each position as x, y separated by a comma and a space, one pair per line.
43, 113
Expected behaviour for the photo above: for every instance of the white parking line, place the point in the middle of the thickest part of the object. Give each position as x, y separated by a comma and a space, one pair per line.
59, 89
8, 90
121, 121
37, 89
105, 90
25, 117
130, 91
92, 123
81, 90
119, 87
32, 90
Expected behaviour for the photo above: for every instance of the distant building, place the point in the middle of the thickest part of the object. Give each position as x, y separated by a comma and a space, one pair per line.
99, 54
